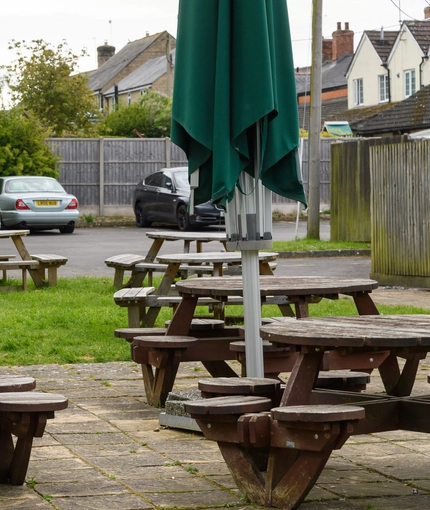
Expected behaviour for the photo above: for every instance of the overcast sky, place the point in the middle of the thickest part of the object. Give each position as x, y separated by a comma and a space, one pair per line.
89, 23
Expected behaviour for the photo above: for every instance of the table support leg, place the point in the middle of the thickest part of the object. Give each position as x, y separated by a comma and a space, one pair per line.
298, 480
159, 379
181, 320
244, 471
365, 304
302, 379
398, 383
14, 460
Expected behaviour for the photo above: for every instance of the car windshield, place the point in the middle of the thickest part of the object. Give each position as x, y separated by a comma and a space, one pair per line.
33, 185
182, 179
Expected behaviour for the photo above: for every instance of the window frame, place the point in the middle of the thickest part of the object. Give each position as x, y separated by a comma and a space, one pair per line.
383, 88
410, 82
358, 89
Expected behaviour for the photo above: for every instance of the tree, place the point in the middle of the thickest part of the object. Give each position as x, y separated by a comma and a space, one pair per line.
151, 117
23, 150
42, 82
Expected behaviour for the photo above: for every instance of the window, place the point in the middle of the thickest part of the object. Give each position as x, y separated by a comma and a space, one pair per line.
358, 92
129, 98
384, 91
410, 86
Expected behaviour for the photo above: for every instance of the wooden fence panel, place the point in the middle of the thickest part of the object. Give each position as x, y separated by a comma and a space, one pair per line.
115, 165
400, 181
350, 218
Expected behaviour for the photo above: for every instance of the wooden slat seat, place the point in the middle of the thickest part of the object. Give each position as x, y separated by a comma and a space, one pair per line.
49, 263
134, 299
24, 415
184, 271
11, 383
4, 258
122, 263
22, 265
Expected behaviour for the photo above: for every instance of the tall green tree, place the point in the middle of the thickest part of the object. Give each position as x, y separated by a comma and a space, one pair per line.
151, 117
23, 150
42, 81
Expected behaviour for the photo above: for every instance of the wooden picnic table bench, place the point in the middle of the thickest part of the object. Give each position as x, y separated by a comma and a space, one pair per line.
23, 266
276, 456
128, 261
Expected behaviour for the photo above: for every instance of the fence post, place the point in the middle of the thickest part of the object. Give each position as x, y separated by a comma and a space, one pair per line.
101, 177
167, 154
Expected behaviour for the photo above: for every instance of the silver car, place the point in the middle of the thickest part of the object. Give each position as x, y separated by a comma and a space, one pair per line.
36, 203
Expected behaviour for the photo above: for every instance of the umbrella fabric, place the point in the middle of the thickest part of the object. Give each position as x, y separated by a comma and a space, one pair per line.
234, 68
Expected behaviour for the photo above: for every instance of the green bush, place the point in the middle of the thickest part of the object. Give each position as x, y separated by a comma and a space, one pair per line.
151, 117
22, 146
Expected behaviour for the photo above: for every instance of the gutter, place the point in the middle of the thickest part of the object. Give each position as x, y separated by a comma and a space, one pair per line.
385, 66
421, 70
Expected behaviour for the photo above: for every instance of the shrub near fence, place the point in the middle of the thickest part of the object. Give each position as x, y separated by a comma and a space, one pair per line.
102, 172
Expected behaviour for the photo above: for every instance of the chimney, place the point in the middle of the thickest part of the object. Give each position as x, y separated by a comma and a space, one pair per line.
104, 53
327, 50
343, 41
427, 12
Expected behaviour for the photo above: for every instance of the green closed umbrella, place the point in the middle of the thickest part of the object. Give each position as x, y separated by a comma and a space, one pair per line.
233, 68
235, 115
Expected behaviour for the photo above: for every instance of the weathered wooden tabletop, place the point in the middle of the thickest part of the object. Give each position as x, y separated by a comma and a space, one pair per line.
276, 285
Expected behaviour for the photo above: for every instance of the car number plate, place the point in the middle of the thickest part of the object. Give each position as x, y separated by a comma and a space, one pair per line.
47, 202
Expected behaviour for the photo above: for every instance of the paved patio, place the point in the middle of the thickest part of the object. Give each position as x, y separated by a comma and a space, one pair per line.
108, 451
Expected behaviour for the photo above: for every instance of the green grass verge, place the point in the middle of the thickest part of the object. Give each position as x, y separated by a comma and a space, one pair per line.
306, 244
75, 322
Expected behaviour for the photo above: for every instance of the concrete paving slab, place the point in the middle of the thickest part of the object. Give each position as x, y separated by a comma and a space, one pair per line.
109, 451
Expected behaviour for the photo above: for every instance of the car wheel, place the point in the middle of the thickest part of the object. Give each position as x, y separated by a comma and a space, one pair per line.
141, 219
182, 218
68, 229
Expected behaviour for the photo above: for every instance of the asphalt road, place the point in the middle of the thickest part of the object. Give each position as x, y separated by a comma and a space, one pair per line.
87, 248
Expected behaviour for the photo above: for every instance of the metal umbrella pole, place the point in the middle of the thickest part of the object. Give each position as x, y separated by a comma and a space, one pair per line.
249, 229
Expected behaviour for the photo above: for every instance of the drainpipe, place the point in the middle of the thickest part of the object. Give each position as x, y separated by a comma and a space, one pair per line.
421, 71
385, 66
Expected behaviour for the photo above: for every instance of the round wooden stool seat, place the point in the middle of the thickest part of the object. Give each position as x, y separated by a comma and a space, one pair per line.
11, 383
130, 333
165, 342
31, 401
238, 386
203, 324
227, 405
341, 379
239, 346
318, 413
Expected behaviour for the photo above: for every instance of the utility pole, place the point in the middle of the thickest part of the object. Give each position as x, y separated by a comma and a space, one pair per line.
315, 122
169, 67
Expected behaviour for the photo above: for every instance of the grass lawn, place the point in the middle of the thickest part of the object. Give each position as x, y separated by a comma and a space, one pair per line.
75, 322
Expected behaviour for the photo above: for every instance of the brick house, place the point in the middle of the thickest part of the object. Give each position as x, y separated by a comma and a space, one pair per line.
337, 54
116, 67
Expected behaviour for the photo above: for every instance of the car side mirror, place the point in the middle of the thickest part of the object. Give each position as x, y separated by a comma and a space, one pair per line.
169, 186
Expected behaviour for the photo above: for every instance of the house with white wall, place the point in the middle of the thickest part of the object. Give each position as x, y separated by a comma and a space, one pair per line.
390, 66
